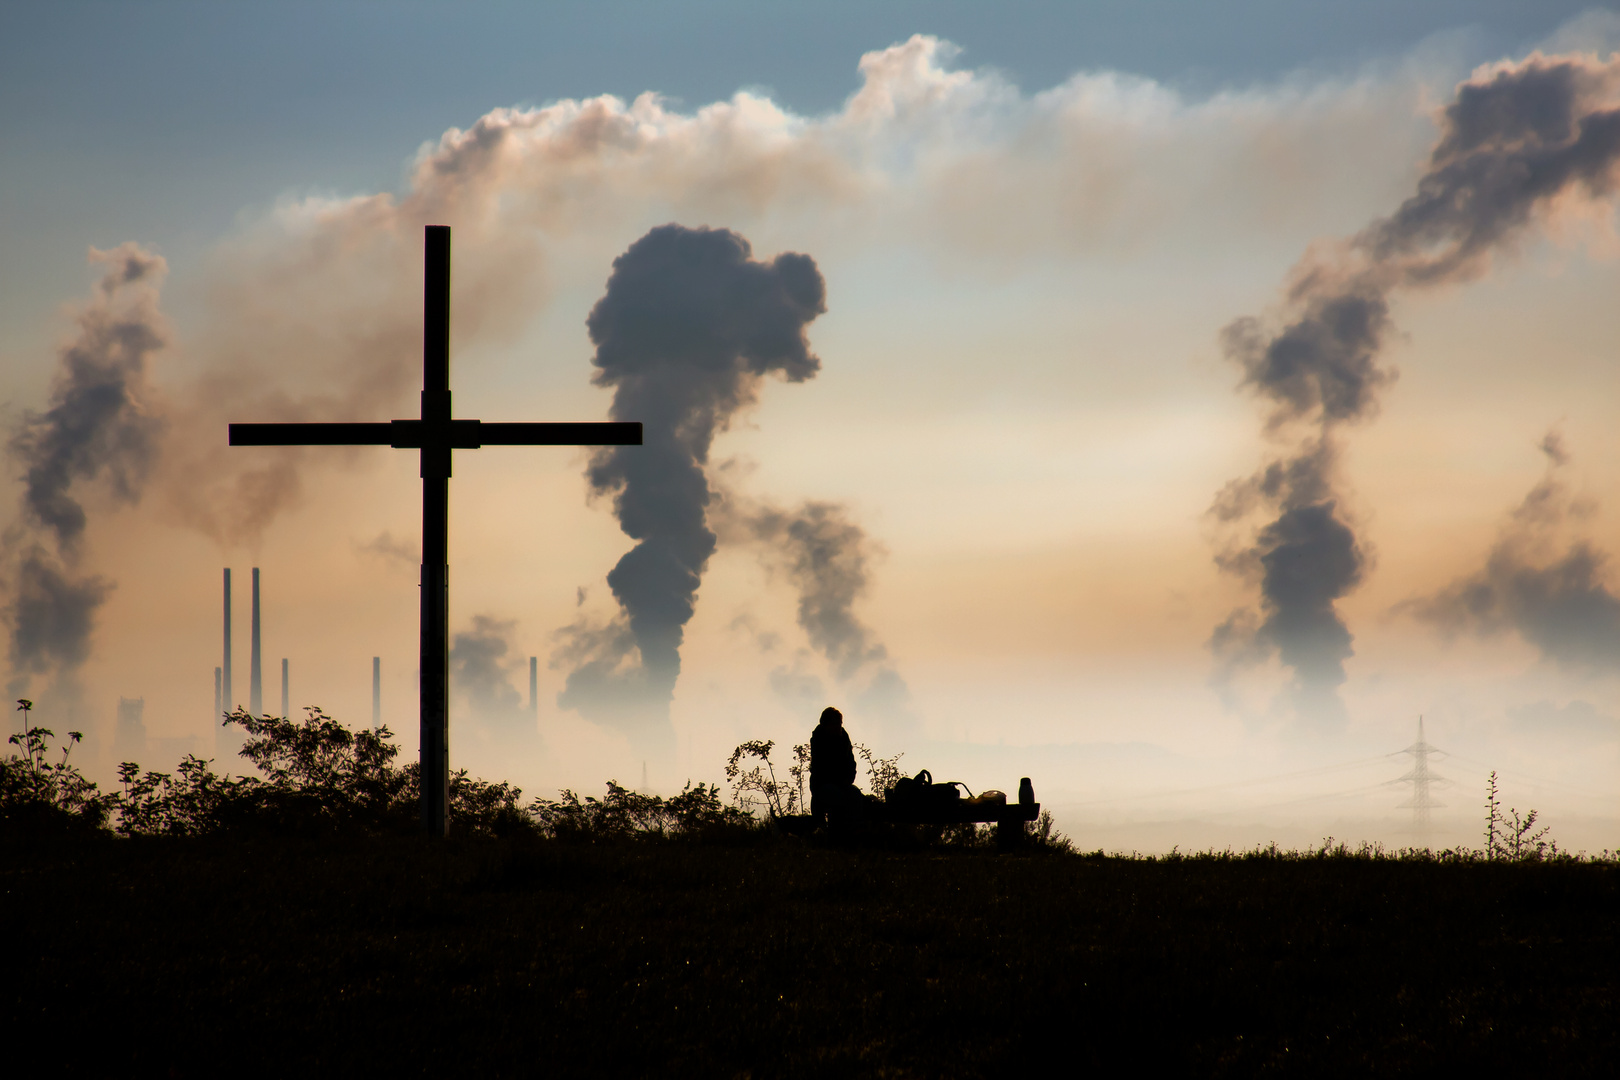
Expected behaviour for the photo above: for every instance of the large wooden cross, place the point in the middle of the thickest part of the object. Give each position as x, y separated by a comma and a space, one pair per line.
436, 435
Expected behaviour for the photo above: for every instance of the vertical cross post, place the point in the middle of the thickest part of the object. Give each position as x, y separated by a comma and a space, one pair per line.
435, 654
435, 434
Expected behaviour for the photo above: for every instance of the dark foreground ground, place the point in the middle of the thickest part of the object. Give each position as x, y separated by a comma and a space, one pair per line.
522, 957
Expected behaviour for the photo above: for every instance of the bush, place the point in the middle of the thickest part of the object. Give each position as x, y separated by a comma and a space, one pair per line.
623, 814
38, 795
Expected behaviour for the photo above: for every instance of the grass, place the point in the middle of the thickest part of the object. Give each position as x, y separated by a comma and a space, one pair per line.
774, 957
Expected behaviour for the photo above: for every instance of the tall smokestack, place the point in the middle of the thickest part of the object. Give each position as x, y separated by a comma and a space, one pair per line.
534, 685
284, 709
376, 692
226, 743
229, 702
255, 671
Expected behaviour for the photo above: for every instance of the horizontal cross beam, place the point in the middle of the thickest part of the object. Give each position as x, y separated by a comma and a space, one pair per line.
414, 434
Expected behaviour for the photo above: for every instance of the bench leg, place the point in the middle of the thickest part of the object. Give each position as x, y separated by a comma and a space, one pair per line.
1009, 833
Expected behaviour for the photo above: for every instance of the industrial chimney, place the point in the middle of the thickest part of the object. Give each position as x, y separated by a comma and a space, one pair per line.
227, 740
283, 687
534, 686
376, 692
229, 703
255, 671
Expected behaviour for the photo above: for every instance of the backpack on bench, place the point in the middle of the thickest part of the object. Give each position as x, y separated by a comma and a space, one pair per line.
919, 795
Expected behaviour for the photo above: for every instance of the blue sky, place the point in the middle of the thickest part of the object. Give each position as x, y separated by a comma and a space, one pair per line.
165, 119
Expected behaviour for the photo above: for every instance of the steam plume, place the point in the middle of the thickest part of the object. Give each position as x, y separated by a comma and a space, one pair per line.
102, 429
1537, 583
1518, 139
476, 669
689, 326
828, 556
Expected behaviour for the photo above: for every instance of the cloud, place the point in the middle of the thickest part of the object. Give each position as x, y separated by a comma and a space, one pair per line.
1539, 581
311, 312
1577, 721
1517, 140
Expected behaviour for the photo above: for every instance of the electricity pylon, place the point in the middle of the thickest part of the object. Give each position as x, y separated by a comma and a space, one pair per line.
1421, 779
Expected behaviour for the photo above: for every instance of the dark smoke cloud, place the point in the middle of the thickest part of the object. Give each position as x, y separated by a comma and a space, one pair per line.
800, 689
102, 429
52, 612
390, 549
1513, 139
1303, 560
1539, 583
103, 424
477, 669
828, 558
1516, 138
688, 328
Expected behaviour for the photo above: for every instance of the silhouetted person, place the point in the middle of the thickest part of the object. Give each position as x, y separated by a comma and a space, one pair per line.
832, 767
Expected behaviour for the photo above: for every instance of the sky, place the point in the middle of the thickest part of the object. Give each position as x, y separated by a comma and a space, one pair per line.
1169, 402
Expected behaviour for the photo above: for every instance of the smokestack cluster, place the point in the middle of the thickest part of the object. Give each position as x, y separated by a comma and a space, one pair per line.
1515, 138
227, 740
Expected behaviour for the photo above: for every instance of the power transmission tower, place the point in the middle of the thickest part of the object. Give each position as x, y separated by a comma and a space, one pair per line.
1422, 779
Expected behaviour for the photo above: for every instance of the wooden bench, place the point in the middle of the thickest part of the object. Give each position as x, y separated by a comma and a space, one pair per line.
1008, 818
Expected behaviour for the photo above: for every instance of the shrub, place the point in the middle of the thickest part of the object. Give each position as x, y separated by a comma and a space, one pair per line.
784, 798
1510, 837
624, 814
39, 795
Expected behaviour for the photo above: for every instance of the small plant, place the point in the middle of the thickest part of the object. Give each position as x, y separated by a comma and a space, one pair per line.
38, 793
1046, 835
1509, 837
783, 798
624, 814
193, 802
881, 773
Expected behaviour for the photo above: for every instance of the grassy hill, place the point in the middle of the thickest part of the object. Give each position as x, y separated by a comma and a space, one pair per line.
769, 956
